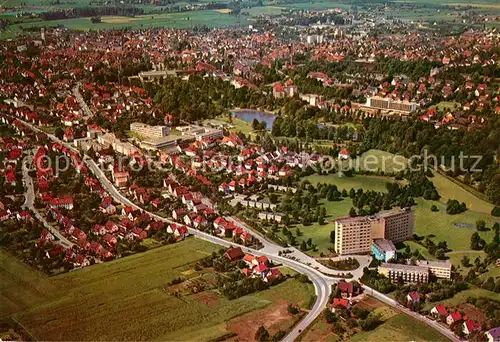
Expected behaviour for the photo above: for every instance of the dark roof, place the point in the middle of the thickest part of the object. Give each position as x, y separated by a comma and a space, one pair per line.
234, 253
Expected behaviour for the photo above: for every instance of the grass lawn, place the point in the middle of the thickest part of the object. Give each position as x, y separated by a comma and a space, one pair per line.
128, 299
21, 287
356, 182
461, 297
442, 226
320, 234
414, 245
447, 105
449, 190
377, 160
400, 328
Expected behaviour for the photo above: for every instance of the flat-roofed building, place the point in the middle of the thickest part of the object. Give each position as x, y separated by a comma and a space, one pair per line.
409, 273
383, 250
148, 131
353, 235
162, 143
440, 269
351, 232
398, 224
386, 103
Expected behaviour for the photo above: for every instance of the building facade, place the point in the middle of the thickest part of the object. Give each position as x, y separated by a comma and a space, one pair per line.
383, 250
352, 235
385, 103
408, 273
355, 234
440, 269
399, 224
148, 131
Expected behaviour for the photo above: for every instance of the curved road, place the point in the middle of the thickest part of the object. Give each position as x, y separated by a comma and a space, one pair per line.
321, 282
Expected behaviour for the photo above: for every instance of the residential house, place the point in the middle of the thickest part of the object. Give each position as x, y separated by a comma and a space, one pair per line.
453, 318
439, 311
493, 335
470, 326
234, 253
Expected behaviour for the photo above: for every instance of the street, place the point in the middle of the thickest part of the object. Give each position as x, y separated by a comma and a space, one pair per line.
321, 281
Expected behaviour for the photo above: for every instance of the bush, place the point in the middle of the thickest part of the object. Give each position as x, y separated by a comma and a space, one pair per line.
495, 211
292, 309
434, 208
262, 334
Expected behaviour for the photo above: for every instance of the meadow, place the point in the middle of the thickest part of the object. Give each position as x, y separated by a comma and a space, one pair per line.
129, 298
400, 328
356, 182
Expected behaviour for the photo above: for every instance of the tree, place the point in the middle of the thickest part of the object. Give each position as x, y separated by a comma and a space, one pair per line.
434, 208
353, 212
255, 124
303, 246
481, 225
332, 236
465, 261
59, 133
262, 334
476, 243
495, 211
493, 190
330, 317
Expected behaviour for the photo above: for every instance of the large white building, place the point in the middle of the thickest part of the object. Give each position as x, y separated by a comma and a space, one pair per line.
148, 131
356, 234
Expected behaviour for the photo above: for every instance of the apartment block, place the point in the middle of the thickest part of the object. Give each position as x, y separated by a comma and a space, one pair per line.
399, 224
356, 234
353, 235
148, 131
409, 273
385, 103
440, 269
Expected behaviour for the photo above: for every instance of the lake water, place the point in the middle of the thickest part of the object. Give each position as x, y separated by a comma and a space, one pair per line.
250, 114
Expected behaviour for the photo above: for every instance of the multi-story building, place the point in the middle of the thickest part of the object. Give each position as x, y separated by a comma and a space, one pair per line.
398, 224
383, 249
386, 103
353, 235
149, 131
440, 269
408, 273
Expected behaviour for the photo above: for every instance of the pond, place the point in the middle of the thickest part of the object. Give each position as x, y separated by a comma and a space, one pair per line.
250, 114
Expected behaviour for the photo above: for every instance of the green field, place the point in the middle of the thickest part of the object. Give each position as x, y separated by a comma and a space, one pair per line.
449, 190
356, 182
461, 297
171, 20
21, 287
377, 160
320, 234
442, 225
400, 328
128, 299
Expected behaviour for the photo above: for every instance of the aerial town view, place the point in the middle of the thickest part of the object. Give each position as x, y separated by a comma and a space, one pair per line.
250, 170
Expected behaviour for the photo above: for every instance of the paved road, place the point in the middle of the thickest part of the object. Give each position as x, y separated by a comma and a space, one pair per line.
322, 282
80, 100
433, 324
273, 248
29, 203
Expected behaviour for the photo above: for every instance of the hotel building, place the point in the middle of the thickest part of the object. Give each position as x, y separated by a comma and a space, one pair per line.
148, 131
440, 269
356, 234
409, 273
386, 103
